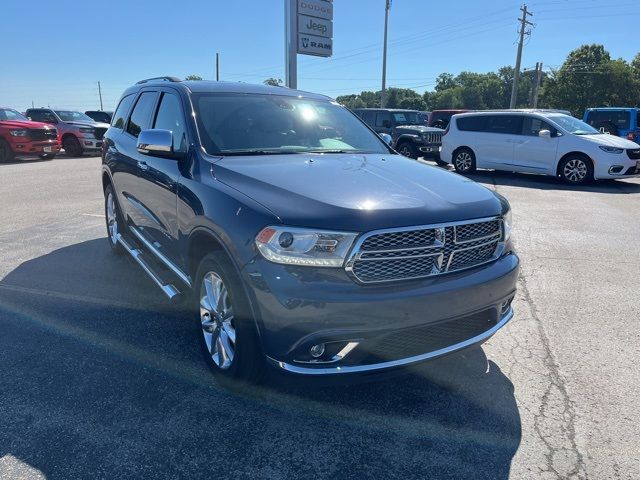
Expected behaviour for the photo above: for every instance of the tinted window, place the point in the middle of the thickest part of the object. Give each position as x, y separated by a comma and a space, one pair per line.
619, 118
531, 126
169, 117
11, 114
471, 124
141, 115
120, 117
509, 124
381, 117
42, 116
99, 116
368, 116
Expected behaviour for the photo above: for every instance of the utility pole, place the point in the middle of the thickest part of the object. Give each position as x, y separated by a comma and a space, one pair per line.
516, 74
383, 94
217, 67
100, 94
536, 85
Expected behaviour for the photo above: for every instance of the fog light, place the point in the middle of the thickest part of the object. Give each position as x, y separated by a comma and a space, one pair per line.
616, 169
317, 350
504, 306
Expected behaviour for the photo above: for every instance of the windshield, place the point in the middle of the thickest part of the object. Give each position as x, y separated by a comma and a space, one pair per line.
408, 118
11, 114
243, 124
573, 125
71, 116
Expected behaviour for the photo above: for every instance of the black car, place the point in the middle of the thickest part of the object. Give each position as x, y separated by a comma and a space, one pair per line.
296, 237
409, 134
99, 115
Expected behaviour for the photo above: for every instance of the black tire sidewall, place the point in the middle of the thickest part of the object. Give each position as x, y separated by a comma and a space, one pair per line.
413, 153
473, 161
8, 155
117, 248
587, 179
72, 146
248, 360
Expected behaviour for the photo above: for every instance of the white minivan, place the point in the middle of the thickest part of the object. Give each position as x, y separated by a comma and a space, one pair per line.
548, 143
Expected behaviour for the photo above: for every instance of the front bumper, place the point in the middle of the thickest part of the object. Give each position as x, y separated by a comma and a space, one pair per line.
429, 150
90, 143
35, 148
616, 166
298, 307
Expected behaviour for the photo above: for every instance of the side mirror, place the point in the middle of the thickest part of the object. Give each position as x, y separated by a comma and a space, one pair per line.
386, 137
157, 142
544, 134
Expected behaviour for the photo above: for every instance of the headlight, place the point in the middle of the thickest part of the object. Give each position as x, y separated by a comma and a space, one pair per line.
508, 224
608, 149
301, 246
18, 133
87, 130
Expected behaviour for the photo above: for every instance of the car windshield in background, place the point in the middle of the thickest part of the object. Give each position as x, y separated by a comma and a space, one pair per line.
408, 118
71, 116
242, 124
573, 125
11, 114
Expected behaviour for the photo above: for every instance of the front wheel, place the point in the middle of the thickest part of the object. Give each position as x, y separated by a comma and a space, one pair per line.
113, 219
464, 161
576, 170
72, 146
408, 150
6, 154
228, 335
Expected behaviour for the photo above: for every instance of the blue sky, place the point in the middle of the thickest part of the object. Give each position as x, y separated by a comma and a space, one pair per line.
54, 53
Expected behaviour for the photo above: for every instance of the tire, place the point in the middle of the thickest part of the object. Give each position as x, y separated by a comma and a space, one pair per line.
608, 127
464, 161
227, 330
576, 170
47, 156
72, 146
6, 154
408, 150
113, 220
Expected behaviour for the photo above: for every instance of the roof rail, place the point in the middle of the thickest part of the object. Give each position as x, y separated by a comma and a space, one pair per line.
164, 79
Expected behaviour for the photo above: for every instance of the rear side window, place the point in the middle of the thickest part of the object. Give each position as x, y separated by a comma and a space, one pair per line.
471, 124
381, 117
169, 117
141, 116
618, 118
368, 117
508, 124
120, 116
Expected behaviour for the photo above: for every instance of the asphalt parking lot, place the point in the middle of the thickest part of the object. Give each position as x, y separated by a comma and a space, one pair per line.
102, 379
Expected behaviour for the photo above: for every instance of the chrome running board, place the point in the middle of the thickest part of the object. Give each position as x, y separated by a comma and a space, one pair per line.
169, 290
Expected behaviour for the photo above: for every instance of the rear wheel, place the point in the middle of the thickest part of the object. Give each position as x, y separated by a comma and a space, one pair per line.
72, 146
464, 161
576, 170
408, 150
6, 154
228, 335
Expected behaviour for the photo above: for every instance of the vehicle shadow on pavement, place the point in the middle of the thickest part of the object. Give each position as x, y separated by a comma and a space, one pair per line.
102, 378
543, 182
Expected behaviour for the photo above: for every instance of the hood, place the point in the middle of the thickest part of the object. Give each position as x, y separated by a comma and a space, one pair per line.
88, 124
610, 140
23, 124
421, 128
356, 192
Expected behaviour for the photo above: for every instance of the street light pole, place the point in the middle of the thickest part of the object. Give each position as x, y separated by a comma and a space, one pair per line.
383, 94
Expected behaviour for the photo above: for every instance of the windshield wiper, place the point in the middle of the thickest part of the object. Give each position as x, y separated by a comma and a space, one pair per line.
329, 150
259, 152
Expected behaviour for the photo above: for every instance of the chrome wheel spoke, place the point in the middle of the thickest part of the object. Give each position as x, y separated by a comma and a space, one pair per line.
216, 315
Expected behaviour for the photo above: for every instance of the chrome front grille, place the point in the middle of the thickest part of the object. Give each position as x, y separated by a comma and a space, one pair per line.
433, 137
418, 252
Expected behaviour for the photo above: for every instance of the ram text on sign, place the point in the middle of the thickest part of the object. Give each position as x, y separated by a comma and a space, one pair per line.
314, 45
316, 8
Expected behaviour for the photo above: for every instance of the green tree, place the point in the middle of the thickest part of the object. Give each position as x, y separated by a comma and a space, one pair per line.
193, 77
274, 82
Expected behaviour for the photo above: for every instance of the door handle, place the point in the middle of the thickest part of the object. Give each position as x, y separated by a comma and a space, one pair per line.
143, 165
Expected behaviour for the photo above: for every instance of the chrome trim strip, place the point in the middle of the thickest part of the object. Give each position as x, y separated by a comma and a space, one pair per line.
498, 234
377, 259
287, 367
168, 263
169, 290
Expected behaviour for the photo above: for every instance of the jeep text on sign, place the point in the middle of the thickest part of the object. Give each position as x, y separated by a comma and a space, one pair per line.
314, 45
316, 8
315, 26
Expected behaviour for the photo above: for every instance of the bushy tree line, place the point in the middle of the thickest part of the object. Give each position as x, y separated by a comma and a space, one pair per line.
588, 78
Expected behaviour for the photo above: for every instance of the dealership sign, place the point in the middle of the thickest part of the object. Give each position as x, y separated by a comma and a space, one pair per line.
315, 27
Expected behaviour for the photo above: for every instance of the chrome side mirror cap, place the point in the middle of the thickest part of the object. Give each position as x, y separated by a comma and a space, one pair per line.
157, 142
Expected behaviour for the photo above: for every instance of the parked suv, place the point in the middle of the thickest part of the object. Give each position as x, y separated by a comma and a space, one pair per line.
299, 239
409, 135
77, 132
621, 122
538, 142
441, 118
23, 138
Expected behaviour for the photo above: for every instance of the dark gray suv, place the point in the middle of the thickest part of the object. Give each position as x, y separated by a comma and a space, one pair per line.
296, 236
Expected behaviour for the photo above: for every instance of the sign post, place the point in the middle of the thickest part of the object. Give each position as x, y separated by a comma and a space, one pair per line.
308, 31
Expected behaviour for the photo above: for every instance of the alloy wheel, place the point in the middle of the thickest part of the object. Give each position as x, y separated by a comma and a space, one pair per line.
575, 170
112, 219
464, 161
216, 316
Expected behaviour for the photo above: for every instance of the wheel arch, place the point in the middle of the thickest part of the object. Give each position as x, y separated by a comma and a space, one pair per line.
462, 147
574, 154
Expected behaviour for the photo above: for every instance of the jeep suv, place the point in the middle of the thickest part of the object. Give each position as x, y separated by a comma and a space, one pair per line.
297, 238
77, 132
20, 137
409, 135
621, 122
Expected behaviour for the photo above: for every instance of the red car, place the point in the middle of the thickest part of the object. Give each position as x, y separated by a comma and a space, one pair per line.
20, 137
